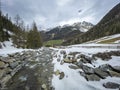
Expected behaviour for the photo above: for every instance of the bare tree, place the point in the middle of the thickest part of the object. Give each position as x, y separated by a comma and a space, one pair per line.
17, 20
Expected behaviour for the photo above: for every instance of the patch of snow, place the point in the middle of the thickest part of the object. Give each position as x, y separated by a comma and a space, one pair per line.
8, 31
115, 61
118, 41
8, 48
83, 29
23, 78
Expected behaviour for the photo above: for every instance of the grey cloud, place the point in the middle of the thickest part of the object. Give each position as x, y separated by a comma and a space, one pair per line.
49, 13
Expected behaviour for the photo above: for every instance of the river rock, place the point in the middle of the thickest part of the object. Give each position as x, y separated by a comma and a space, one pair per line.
63, 52
44, 86
89, 59
101, 73
103, 56
88, 70
82, 74
62, 62
105, 67
2, 64
7, 70
61, 75
111, 85
116, 68
73, 67
13, 64
4, 80
2, 73
114, 74
57, 72
66, 60
92, 77
16, 70
79, 64
58, 59
84, 60
82, 56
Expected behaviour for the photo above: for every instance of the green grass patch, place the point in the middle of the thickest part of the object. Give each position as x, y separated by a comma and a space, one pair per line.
52, 43
109, 41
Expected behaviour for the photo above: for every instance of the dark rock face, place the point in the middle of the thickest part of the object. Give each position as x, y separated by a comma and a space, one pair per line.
111, 85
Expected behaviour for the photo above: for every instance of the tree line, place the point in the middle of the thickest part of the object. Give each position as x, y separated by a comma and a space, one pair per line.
17, 31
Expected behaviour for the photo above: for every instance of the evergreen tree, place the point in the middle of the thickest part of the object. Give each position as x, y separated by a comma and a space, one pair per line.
34, 39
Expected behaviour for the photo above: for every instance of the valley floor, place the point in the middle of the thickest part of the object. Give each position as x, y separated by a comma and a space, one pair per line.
76, 67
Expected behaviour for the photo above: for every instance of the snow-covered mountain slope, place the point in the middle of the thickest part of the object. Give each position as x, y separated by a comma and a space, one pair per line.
66, 31
83, 26
107, 39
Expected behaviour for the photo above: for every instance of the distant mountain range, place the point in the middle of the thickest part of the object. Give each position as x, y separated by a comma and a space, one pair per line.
67, 31
109, 25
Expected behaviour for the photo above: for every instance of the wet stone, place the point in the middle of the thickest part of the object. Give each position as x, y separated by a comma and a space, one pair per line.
88, 70
73, 67
13, 64
2, 64
92, 77
101, 73
61, 75
111, 85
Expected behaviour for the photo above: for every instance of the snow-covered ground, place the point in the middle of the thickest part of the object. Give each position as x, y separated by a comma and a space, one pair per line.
8, 48
72, 79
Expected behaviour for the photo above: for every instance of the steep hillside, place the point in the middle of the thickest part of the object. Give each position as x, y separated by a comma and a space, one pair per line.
9, 30
67, 31
109, 25
112, 39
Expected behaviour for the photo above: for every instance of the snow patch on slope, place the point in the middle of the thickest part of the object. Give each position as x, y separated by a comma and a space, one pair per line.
106, 38
8, 48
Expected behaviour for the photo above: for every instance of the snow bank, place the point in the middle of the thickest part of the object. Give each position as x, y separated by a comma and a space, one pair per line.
8, 48
72, 79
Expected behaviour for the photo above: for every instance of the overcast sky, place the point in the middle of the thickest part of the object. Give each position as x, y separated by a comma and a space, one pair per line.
50, 13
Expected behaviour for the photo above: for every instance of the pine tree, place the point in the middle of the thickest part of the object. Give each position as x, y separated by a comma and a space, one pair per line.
34, 39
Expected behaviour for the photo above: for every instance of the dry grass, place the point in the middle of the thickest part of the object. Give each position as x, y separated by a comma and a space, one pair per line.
109, 41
